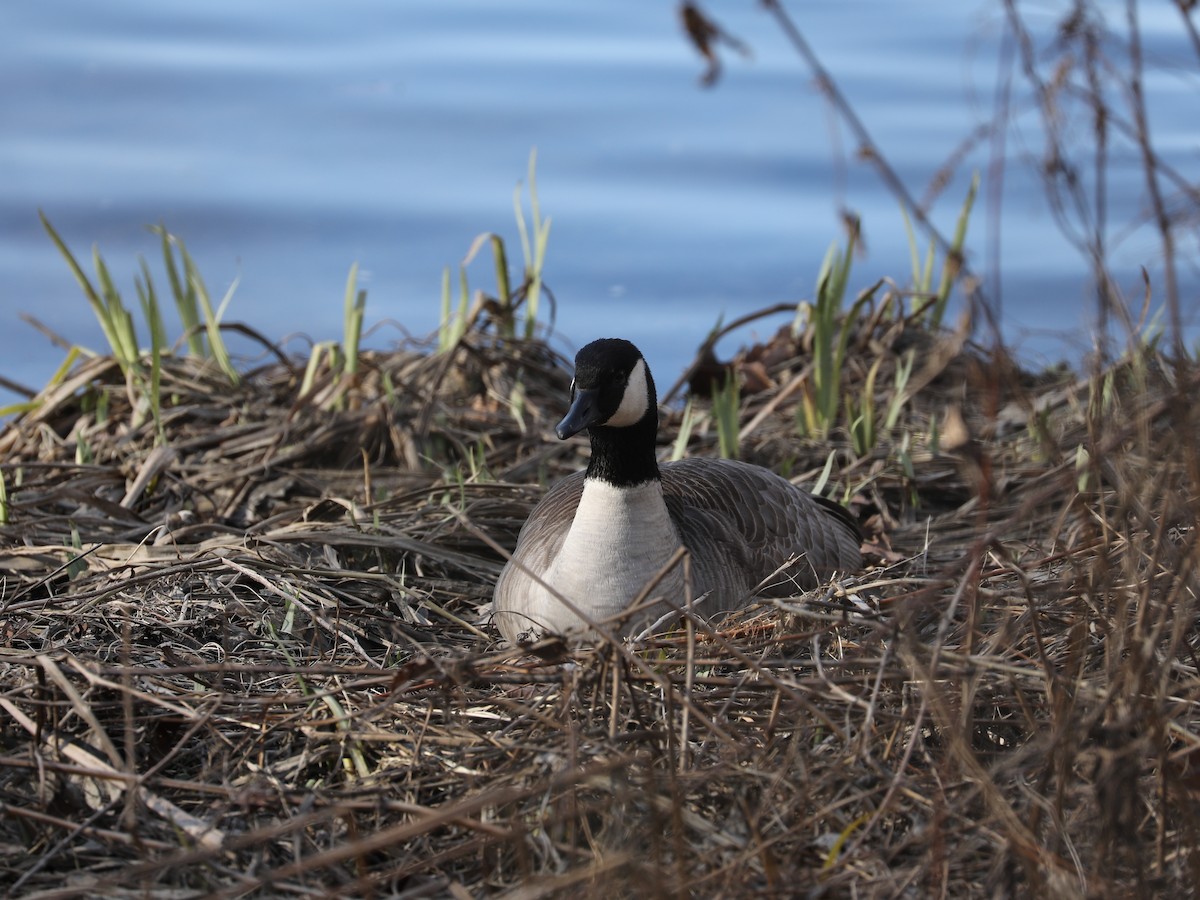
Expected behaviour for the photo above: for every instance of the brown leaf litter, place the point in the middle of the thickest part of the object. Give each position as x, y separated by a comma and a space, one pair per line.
250, 658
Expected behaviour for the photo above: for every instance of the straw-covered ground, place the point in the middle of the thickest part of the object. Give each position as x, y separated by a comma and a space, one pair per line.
248, 654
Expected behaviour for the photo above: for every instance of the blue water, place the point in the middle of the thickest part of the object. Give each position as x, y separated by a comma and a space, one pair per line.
285, 141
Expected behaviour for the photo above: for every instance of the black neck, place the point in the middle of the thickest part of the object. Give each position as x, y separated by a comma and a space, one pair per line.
624, 457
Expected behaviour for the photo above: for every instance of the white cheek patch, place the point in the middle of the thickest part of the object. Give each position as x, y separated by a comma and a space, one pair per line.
633, 401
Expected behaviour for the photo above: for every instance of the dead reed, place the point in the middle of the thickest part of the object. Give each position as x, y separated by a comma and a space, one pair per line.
250, 659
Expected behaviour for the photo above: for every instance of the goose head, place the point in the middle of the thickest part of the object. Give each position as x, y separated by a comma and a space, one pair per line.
612, 388
613, 399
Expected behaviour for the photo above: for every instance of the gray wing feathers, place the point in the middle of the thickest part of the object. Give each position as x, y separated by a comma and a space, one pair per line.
543, 533
742, 522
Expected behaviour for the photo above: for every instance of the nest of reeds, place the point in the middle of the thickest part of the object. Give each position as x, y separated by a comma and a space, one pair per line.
245, 647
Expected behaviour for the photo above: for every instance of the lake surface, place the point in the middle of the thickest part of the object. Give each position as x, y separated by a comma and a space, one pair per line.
285, 141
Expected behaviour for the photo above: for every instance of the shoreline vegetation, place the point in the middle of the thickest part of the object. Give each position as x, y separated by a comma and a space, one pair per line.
245, 642
244, 647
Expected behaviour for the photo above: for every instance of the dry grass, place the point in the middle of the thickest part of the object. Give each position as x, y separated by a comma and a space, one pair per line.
252, 661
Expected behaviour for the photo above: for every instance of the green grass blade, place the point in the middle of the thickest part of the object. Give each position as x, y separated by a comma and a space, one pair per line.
314, 363
541, 235
686, 426
150, 306
444, 327
903, 372
953, 262
64, 367
533, 250
125, 347
913, 252
862, 429
183, 292
507, 320
454, 321
99, 306
831, 289
212, 320
76, 270
464, 299
517, 403
535, 280
17, 409
158, 340
927, 272
726, 403
354, 310
823, 479
522, 231
534, 206
503, 288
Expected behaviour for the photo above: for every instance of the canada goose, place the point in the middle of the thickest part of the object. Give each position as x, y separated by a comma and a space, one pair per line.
599, 537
